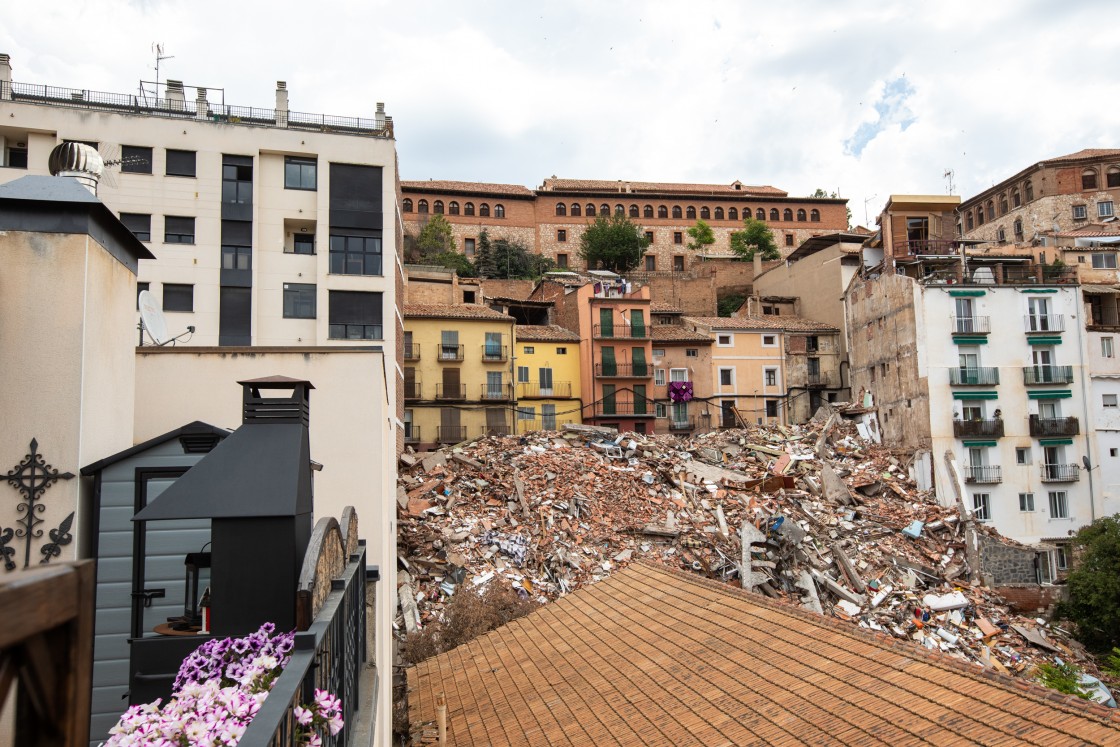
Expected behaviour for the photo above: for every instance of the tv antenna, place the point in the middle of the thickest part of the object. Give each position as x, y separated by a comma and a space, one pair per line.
948, 176
866, 202
157, 49
154, 323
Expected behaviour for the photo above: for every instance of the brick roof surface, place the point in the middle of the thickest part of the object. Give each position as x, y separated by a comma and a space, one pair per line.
624, 187
767, 321
1089, 153
444, 185
652, 656
676, 333
545, 333
454, 311
1091, 230
656, 307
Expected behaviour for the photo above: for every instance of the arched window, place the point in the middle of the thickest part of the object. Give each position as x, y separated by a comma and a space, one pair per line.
406, 206
719, 213
815, 215
690, 212
704, 212
787, 214
991, 210
677, 211
634, 211
1112, 179
662, 211
760, 214
1028, 190
980, 215
801, 214
1089, 179
1016, 198
620, 209
774, 214
968, 220
590, 210
499, 211
604, 209
576, 209
484, 210
468, 209
437, 207
561, 209
422, 206
1017, 228
733, 213
647, 211
453, 208
1003, 203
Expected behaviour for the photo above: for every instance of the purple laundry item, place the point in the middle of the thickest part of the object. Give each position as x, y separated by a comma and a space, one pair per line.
680, 391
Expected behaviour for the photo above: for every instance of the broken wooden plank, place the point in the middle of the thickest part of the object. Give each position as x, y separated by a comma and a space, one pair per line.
837, 589
849, 570
811, 600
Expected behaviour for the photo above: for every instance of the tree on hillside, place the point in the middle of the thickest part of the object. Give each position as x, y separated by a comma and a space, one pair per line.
701, 236
1094, 585
507, 259
435, 237
613, 243
755, 236
820, 193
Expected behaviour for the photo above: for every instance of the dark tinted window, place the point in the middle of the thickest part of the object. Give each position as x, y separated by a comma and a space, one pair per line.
299, 301
355, 255
355, 315
139, 223
303, 243
178, 230
180, 163
140, 288
301, 173
178, 297
136, 159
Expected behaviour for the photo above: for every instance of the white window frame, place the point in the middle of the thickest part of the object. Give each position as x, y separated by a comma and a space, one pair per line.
659, 377
719, 377
674, 373
1062, 556
1026, 502
982, 506
1080, 212
659, 352
692, 352
721, 336
1022, 455
1105, 209
1059, 499
1103, 260
773, 341
659, 410
766, 374
528, 350
1108, 350
1108, 401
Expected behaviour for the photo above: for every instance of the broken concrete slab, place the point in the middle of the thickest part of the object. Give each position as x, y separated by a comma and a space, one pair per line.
833, 487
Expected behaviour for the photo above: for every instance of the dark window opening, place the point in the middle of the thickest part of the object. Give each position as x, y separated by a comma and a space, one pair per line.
139, 224
355, 255
237, 257
678, 237
180, 163
178, 297
303, 243
140, 288
355, 315
484, 210
299, 301
178, 230
136, 159
303, 173
561, 234
237, 183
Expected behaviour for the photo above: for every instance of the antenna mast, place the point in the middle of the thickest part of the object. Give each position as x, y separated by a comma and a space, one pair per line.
157, 48
948, 176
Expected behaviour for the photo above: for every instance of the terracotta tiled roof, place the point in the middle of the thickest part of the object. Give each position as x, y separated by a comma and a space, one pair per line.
663, 308
1089, 153
652, 656
1092, 230
676, 333
444, 185
549, 333
786, 323
454, 311
624, 187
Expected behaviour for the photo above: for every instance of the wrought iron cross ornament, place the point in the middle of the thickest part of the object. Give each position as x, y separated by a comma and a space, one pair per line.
31, 478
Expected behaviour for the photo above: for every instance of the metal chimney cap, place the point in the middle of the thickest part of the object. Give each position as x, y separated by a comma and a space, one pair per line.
79, 161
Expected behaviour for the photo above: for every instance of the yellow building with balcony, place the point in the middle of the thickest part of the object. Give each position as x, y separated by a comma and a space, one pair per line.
458, 373
546, 367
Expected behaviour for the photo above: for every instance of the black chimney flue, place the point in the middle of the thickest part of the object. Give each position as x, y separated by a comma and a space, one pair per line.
257, 408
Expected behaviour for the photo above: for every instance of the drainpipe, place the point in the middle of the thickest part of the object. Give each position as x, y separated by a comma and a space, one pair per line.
441, 719
1085, 410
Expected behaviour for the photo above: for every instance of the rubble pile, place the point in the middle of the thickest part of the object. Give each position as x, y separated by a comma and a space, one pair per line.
814, 515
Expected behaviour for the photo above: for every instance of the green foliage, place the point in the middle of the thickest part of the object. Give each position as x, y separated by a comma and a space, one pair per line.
820, 193
728, 305
613, 244
755, 236
1094, 586
1111, 665
505, 259
701, 235
435, 238
1065, 678
454, 261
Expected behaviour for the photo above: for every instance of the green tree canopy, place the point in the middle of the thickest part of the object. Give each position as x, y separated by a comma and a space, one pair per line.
701, 236
435, 237
1094, 585
613, 243
508, 259
755, 236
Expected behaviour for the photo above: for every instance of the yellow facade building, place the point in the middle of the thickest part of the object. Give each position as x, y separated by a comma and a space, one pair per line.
546, 365
748, 367
458, 373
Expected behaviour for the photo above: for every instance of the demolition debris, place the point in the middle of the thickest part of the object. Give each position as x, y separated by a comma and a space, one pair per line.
815, 515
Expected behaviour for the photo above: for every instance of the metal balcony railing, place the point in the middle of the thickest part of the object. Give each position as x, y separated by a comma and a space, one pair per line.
620, 332
496, 392
971, 325
1046, 427
559, 389
541, 424
451, 434
449, 352
443, 391
1061, 473
495, 353
941, 247
413, 390
1035, 375
606, 408
821, 378
982, 474
982, 376
412, 352
623, 370
411, 434
495, 430
687, 424
1039, 324
968, 428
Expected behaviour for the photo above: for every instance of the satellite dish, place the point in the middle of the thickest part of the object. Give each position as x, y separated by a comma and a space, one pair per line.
152, 319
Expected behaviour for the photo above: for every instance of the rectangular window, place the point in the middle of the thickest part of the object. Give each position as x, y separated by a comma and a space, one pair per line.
770, 377
561, 234
178, 230
237, 180
678, 374
526, 413
562, 260
237, 257
299, 301
769, 341
982, 506
355, 255
651, 263
659, 352
691, 353
1104, 209
561, 351
303, 243
136, 159
354, 315
725, 341
812, 344
659, 377
140, 288
1108, 400
649, 237
468, 247
1059, 504
522, 374
1080, 212
1026, 502
178, 297
180, 163
1106, 348
789, 239
678, 263
1022, 455
771, 408
727, 377
529, 349
1104, 261
140, 225
1062, 555
659, 410
300, 173
678, 238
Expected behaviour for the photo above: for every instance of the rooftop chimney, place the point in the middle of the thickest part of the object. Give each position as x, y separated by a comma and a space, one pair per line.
79, 161
379, 118
176, 98
202, 107
5, 77
281, 103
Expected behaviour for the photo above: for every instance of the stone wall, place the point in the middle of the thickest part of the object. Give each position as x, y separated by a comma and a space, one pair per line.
1007, 564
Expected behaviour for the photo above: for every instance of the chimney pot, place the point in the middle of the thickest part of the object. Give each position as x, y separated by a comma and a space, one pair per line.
281, 85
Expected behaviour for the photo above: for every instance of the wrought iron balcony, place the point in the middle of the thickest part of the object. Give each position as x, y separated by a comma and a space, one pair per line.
915, 247
981, 376
971, 325
620, 332
559, 389
1041, 324
449, 352
496, 392
1046, 427
495, 353
451, 434
411, 434
413, 390
443, 391
687, 424
1035, 375
821, 378
607, 408
1061, 473
623, 370
992, 427
412, 351
982, 474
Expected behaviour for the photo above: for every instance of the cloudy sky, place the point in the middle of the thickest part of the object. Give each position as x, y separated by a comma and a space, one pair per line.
865, 98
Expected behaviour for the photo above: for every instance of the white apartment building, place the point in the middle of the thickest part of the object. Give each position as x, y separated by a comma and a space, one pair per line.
1102, 324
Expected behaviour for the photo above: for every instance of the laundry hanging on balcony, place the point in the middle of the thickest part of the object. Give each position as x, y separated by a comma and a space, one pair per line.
680, 391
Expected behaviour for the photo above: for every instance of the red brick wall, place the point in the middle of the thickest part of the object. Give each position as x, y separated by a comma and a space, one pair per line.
1031, 599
